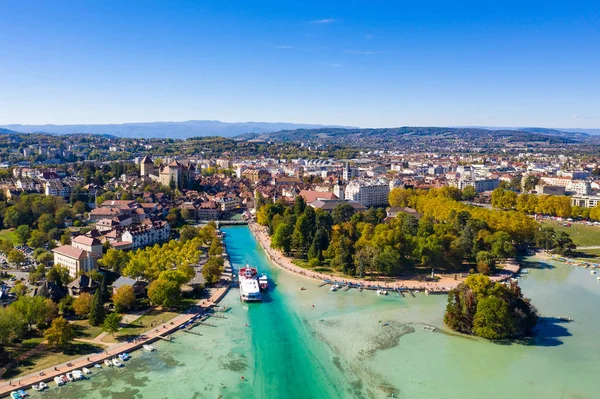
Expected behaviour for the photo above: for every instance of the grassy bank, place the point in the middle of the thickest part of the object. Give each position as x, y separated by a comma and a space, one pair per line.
581, 234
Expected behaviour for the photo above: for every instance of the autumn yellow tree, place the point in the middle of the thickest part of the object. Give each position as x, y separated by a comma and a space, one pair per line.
124, 298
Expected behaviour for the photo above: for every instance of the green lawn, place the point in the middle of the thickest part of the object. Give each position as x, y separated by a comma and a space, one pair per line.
48, 358
581, 234
84, 330
10, 235
141, 325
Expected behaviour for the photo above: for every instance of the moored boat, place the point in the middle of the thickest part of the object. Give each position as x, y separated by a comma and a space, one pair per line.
15, 395
86, 370
70, 376
108, 362
59, 382
64, 378
117, 363
263, 282
98, 366
333, 288
149, 348
43, 386
382, 292
77, 375
249, 288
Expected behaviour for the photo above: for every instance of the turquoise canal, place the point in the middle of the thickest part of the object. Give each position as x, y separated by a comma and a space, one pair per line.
321, 344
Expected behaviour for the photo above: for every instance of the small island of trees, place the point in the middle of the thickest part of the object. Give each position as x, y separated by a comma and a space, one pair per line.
490, 309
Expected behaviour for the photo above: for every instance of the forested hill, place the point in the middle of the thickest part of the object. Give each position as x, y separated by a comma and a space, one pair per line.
403, 134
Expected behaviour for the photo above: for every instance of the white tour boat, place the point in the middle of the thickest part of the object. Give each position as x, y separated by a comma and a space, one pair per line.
249, 288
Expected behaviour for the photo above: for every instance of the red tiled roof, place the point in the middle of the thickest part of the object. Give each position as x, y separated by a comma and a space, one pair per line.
71, 252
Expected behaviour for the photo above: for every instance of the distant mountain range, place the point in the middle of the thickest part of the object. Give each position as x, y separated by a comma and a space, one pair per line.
174, 130
195, 128
394, 135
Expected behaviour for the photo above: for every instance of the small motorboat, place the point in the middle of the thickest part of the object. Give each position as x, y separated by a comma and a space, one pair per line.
382, 292
117, 363
70, 377
124, 356
15, 395
77, 375
40, 387
64, 378
59, 382
22, 393
107, 362
98, 366
86, 370
302, 289
429, 328
333, 288
592, 272
149, 348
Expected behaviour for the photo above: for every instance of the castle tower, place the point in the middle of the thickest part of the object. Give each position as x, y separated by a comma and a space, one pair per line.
146, 166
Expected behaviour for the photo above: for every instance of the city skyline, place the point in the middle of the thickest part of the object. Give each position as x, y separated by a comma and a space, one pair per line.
337, 63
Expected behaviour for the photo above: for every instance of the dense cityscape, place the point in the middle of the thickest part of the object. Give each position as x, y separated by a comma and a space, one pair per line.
299, 200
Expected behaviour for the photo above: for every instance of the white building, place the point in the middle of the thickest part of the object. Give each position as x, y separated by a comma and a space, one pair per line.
368, 193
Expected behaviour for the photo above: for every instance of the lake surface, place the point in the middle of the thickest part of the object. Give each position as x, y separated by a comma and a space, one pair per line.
321, 344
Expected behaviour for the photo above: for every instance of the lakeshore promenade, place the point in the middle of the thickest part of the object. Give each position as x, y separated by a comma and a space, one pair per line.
152, 335
443, 284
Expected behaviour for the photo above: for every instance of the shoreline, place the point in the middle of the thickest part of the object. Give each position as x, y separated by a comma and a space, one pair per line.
443, 285
152, 335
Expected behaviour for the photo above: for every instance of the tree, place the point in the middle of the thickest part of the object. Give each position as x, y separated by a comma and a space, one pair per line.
46, 223
504, 199
489, 309
31, 309
530, 182
399, 197
342, 213
188, 214
188, 233
11, 324
299, 205
493, 319
16, 257
19, 289
65, 239
164, 293
112, 323
213, 269
96, 315
23, 232
114, 260
59, 275
124, 298
38, 239
66, 304
282, 238
303, 230
82, 304
485, 262
60, 333
78, 207
469, 193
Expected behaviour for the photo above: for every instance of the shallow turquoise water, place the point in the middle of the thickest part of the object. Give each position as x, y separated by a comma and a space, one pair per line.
319, 344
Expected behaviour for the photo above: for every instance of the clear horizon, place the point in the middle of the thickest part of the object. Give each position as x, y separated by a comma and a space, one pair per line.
335, 63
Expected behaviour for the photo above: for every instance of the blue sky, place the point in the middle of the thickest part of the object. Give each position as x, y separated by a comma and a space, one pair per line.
360, 63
